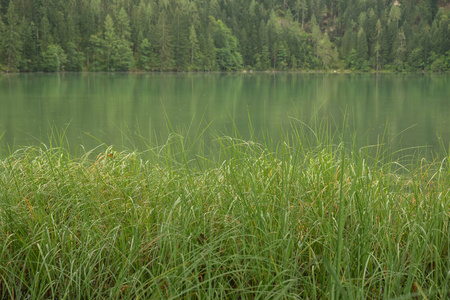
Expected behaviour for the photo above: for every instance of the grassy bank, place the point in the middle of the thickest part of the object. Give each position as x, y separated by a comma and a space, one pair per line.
307, 218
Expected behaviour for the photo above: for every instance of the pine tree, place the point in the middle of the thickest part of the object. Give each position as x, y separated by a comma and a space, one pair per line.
377, 47
194, 50
181, 34
326, 53
395, 14
11, 43
228, 56
207, 46
53, 59
361, 45
97, 53
353, 61
110, 40
145, 57
139, 24
121, 56
164, 43
274, 31
302, 9
75, 58
316, 35
282, 57
349, 41
123, 25
265, 58
400, 49
2, 32
45, 36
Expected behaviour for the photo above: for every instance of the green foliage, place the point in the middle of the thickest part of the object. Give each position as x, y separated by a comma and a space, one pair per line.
164, 46
97, 54
353, 60
416, 59
109, 41
282, 58
348, 42
123, 25
361, 46
195, 56
440, 63
228, 57
309, 219
101, 35
10, 39
145, 57
399, 48
75, 58
265, 58
121, 56
54, 58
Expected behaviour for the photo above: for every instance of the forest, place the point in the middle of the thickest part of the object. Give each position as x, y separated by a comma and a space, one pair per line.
224, 35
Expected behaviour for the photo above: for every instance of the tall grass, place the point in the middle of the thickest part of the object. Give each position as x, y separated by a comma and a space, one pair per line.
309, 217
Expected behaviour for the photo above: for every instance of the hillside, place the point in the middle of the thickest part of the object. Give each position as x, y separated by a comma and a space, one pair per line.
224, 35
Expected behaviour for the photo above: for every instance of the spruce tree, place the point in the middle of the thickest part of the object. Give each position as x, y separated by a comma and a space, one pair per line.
123, 25
45, 35
326, 53
145, 56
316, 35
400, 49
164, 43
361, 46
53, 59
110, 40
265, 58
377, 46
228, 56
194, 50
11, 43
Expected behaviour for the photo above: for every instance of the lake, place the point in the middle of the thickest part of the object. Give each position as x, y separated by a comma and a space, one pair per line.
116, 108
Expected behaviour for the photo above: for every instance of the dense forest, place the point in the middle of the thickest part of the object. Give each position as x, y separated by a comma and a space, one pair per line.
224, 35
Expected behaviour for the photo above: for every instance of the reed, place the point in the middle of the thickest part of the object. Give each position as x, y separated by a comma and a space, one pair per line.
309, 217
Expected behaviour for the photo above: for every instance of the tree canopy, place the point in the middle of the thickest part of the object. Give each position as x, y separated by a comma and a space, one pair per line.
223, 35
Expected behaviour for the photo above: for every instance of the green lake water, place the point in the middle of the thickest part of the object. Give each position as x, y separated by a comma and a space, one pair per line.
116, 108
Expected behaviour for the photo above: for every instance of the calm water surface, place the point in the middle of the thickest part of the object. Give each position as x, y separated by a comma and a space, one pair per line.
115, 108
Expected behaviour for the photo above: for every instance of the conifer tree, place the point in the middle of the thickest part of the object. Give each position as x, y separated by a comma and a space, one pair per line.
164, 42
109, 35
181, 34
274, 31
301, 10
265, 58
316, 35
348, 43
75, 58
194, 50
121, 56
11, 43
97, 53
361, 46
53, 59
123, 25
326, 51
400, 49
145, 57
377, 46
228, 56
282, 57
45, 36
110, 40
